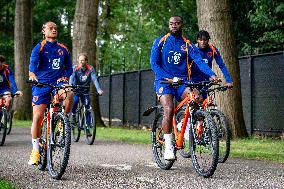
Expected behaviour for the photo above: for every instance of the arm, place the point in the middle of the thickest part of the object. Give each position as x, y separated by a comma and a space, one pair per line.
72, 78
156, 58
14, 87
222, 66
34, 62
95, 80
193, 52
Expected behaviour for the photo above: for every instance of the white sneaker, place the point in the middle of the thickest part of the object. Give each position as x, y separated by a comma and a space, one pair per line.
169, 153
186, 133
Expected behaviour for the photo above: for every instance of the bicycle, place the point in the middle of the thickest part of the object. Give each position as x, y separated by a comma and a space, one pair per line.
5, 117
3, 120
10, 114
55, 139
202, 133
224, 133
221, 122
84, 120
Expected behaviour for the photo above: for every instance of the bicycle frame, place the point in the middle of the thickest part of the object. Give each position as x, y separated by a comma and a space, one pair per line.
189, 101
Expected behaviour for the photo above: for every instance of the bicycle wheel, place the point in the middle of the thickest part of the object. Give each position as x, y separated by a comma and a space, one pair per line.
185, 151
90, 127
224, 134
10, 121
158, 144
204, 144
59, 146
76, 125
3, 126
43, 146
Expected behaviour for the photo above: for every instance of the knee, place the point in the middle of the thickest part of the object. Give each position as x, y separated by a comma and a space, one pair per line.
168, 110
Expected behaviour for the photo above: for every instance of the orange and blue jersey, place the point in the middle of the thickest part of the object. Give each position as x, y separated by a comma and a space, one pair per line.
7, 81
170, 57
208, 54
50, 61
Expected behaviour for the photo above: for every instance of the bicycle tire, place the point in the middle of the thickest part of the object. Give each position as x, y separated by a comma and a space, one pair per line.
91, 127
202, 142
43, 146
3, 126
10, 121
224, 134
61, 141
185, 151
158, 147
76, 131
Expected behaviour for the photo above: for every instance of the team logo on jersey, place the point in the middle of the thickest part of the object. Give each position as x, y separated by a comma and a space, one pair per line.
60, 52
1, 78
56, 63
209, 54
174, 57
183, 48
161, 89
35, 98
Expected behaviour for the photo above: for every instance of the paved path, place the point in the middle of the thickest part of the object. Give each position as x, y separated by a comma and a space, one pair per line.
119, 165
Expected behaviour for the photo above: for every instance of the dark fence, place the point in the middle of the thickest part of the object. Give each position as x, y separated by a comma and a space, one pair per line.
128, 95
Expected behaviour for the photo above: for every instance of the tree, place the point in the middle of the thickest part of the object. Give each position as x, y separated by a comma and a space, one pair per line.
22, 49
84, 38
215, 17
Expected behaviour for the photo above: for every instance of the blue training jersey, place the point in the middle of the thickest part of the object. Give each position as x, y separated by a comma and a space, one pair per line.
83, 77
50, 61
208, 55
7, 81
168, 59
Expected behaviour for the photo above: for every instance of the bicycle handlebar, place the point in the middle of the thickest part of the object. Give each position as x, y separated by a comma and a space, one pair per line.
42, 84
190, 84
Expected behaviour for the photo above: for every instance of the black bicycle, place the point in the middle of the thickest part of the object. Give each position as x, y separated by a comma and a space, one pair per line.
3, 120
85, 120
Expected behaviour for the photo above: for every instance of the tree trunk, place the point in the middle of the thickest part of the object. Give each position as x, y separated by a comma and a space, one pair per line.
22, 48
215, 17
84, 38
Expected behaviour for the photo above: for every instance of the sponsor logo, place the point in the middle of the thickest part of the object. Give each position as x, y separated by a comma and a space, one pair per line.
174, 57
84, 78
205, 60
56, 63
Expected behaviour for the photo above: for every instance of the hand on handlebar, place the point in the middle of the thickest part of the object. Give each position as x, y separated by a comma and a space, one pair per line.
20, 93
100, 92
229, 85
215, 79
32, 77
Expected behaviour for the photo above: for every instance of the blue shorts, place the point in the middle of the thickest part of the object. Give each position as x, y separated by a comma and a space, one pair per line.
42, 95
164, 88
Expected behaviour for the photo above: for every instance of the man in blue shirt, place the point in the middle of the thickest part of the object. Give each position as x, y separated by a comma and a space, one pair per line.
50, 63
171, 56
7, 83
208, 52
83, 75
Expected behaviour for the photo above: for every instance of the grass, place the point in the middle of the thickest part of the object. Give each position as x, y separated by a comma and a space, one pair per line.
248, 148
6, 185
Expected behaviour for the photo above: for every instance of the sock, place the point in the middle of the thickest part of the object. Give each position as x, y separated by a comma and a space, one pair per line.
168, 140
35, 143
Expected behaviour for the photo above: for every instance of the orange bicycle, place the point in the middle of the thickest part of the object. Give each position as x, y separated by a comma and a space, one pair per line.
202, 140
55, 140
